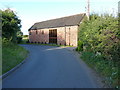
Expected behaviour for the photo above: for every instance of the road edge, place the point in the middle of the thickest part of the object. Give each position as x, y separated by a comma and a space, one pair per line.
13, 69
98, 78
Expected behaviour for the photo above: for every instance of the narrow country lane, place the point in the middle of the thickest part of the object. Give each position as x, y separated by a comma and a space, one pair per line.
50, 67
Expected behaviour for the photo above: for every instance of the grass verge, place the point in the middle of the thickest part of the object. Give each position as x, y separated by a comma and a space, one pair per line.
12, 55
106, 68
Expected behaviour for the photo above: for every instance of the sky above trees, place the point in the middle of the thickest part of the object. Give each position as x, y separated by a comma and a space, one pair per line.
32, 11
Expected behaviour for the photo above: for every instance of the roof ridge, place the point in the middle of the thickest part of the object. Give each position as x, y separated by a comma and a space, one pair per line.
60, 18
59, 22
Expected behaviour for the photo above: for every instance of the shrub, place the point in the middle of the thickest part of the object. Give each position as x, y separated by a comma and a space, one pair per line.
80, 46
100, 34
25, 35
101, 45
19, 39
27, 41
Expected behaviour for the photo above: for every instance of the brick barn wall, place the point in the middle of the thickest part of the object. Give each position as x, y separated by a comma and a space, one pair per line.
32, 36
61, 36
43, 36
72, 35
65, 35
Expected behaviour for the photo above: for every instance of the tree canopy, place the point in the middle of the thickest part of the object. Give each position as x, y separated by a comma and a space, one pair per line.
11, 25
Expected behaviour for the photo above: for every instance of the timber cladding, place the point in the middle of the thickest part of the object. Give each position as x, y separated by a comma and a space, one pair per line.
53, 36
61, 31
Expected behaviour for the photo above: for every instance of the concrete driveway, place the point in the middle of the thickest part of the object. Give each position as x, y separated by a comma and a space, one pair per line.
51, 67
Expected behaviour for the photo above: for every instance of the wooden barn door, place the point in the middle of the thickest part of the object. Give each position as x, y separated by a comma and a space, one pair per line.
53, 36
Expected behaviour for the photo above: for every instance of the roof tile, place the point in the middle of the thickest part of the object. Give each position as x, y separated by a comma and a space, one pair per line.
59, 22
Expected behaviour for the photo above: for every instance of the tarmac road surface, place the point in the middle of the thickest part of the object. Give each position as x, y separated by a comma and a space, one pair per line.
50, 67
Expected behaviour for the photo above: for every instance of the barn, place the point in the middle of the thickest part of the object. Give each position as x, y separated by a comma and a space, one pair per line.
61, 31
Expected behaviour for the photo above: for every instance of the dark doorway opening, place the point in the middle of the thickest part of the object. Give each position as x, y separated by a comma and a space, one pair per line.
53, 36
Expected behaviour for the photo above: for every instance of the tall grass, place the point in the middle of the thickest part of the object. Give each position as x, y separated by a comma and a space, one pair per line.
106, 68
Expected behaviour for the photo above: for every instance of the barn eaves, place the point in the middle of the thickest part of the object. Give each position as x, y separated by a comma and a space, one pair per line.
59, 22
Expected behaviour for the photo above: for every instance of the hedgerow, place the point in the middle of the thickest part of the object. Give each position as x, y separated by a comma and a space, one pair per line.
100, 35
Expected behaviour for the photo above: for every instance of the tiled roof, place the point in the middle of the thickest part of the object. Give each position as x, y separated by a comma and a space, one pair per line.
59, 22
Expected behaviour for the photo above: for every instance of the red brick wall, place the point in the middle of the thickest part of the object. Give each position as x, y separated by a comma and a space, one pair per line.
65, 35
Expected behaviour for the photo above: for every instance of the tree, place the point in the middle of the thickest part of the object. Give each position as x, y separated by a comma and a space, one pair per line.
101, 34
10, 25
19, 36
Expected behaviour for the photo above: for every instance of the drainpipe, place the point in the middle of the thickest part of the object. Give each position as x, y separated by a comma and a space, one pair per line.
65, 34
78, 33
69, 36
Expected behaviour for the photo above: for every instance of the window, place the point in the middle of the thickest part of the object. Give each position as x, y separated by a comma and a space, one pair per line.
36, 32
42, 32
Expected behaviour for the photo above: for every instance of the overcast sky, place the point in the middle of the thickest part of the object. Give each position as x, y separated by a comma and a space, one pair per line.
32, 11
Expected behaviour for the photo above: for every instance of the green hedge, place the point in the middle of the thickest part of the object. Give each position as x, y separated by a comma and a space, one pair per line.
100, 36
80, 46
